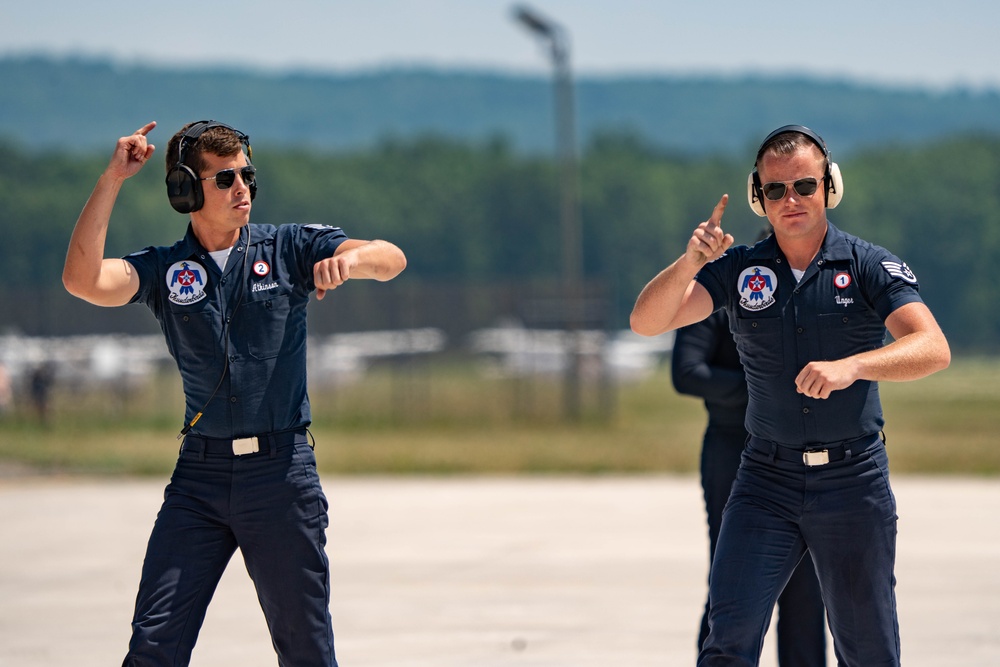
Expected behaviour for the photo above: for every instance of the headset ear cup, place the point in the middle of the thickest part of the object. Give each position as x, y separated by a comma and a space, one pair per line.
754, 194
835, 186
184, 189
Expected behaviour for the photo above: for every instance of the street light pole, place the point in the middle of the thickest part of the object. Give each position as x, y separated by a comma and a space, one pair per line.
569, 202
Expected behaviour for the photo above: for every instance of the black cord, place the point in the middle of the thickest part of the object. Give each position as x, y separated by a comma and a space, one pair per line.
225, 334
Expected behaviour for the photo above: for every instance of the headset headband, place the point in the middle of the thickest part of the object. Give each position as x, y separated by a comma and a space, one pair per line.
197, 129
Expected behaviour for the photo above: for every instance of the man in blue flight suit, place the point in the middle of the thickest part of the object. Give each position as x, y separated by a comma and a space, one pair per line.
231, 300
706, 363
809, 308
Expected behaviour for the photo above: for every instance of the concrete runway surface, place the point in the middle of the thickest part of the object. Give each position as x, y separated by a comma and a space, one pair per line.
475, 572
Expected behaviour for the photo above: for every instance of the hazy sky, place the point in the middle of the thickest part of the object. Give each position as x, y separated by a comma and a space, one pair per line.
908, 43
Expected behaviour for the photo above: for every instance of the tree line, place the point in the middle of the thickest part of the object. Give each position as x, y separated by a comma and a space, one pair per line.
354, 110
484, 214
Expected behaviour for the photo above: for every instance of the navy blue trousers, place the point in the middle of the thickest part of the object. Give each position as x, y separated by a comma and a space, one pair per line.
801, 627
269, 505
844, 514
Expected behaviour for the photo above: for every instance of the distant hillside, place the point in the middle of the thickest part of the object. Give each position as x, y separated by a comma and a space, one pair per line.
83, 105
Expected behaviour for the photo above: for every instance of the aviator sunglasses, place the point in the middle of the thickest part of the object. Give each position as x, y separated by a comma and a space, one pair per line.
804, 187
225, 178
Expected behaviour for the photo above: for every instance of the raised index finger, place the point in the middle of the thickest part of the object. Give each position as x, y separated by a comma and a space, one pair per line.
145, 129
716, 218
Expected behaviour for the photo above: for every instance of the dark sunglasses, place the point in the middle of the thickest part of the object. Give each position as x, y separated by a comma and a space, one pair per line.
225, 178
804, 187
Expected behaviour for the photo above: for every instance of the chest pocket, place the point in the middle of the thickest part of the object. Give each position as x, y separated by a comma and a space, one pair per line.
265, 321
760, 343
194, 333
846, 333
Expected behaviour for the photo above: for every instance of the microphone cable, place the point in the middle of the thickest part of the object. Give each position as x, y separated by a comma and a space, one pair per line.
225, 334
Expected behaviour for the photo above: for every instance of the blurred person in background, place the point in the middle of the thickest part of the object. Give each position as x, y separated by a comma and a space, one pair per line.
40, 383
231, 300
6, 391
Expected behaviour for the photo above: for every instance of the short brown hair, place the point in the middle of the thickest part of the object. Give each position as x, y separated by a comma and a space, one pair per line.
218, 140
787, 143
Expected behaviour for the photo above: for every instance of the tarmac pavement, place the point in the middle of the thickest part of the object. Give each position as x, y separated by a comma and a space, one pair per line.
475, 572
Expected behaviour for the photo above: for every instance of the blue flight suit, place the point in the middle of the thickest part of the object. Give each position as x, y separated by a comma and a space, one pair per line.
238, 336
785, 501
705, 363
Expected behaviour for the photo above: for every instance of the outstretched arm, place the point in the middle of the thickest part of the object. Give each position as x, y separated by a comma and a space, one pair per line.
87, 274
354, 258
673, 299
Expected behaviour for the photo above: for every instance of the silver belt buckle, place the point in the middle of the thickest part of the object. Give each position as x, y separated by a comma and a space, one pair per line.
816, 457
243, 446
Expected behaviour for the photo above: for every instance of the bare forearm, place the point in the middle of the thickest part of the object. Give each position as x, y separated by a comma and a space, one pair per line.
86, 247
912, 357
672, 299
659, 302
379, 260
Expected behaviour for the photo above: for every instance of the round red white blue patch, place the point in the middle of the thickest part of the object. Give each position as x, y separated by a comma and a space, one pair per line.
186, 281
756, 286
